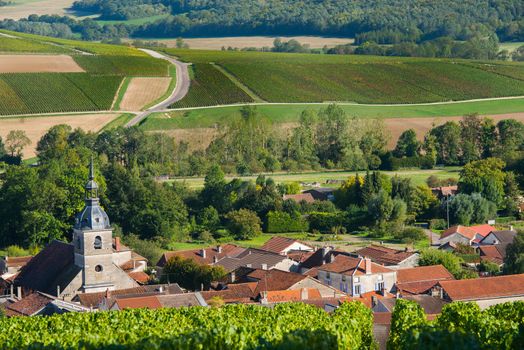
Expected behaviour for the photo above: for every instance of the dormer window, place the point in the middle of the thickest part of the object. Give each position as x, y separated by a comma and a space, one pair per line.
98, 242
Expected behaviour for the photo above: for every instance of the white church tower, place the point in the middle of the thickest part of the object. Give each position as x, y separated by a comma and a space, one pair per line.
93, 241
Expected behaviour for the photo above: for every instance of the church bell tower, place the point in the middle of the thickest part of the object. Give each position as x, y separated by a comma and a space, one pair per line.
93, 241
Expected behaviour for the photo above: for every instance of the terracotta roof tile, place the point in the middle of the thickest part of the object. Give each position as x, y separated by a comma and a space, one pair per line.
149, 302
255, 258
462, 230
281, 296
94, 299
307, 197
384, 255
181, 300
29, 305
196, 254
382, 318
278, 244
18, 261
140, 276
235, 293
483, 230
419, 280
484, 288
348, 266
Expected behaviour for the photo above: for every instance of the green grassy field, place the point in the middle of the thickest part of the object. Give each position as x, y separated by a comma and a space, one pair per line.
417, 176
119, 121
288, 113
13, 45
511, 46
211, 87
277, 77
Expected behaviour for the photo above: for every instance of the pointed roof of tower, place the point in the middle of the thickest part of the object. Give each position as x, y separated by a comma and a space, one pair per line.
92, 217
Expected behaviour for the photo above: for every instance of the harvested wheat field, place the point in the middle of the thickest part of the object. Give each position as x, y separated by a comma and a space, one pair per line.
397, 126
22, 8
142, 91
38, 64
36, 127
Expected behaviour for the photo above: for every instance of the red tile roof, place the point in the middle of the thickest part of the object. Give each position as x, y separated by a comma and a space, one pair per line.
149, 302
281, 296
445, 190
235, 293
28, 306
483, 230
419, 280
462, 230
307, 197
230, 250
348, 266
140, 276
484, 288
274, 279
382, 318
278, 244
384, 255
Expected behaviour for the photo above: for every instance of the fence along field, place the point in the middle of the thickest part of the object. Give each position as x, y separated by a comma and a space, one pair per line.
211, 87
363, 79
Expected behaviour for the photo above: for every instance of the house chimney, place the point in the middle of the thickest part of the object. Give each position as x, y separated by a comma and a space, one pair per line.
510, 228
304, 295
12, 291
117, 244
19, 292
263, 297
219, 249
215, 259
203, 253
108, 293
232, 277
325, 251
373, 301
58, 291
161, 289
367, 265
264, 266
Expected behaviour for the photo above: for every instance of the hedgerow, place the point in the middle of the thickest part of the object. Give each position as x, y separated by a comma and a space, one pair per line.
286, 326
459, 326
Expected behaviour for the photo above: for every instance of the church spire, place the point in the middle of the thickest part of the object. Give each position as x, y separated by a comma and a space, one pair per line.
91, 185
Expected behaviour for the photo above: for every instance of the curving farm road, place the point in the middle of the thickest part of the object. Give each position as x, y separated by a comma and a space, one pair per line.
182, 87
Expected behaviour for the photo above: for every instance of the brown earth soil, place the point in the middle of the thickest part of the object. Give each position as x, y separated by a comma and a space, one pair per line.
142, 91
23, 8
38, 64
36, 127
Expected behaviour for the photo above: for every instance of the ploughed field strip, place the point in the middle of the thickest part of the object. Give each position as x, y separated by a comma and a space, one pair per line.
211, 87
142, 91
362, 79
13, 45
38, 64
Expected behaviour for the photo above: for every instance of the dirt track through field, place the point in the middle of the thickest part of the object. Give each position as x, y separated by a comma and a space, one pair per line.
142, 91
38, 64
36, 127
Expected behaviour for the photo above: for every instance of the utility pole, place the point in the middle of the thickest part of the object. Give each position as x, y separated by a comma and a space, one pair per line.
447, 208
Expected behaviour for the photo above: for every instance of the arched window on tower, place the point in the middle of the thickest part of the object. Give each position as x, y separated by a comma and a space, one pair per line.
98, 242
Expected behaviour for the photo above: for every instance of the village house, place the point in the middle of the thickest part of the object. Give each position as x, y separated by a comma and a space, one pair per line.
276, 280
322, 193
459, 234
432, 306
420, 280
485, 292
356, 276
120, 302
204, 256
493, 246
389, 257
91, 263
498, 237
39, 304
258, 259
284, 245
300, 197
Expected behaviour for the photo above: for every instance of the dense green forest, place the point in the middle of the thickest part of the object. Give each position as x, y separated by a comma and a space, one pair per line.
467, 29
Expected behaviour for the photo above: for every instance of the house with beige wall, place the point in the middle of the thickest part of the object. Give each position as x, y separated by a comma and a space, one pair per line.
356, 276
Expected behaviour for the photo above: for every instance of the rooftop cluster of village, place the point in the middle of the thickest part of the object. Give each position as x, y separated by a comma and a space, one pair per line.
96, 272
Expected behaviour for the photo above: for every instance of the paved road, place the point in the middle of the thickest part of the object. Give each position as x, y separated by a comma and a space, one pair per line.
182, 87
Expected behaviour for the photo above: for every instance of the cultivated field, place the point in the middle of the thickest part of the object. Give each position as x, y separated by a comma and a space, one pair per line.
417, 176
211, 87
38, 64
36, 127
142, 91
363, 79
242, 42
10, 45
23, 8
